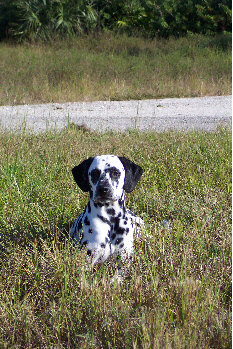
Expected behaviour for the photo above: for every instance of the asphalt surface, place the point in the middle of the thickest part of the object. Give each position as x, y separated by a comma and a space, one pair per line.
204, 113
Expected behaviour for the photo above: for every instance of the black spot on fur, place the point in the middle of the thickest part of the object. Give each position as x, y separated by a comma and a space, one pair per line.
127, 230
89, 252
102, 245
90, 231
84, 243
111, 212
120, 202
103, 219
86, 221
121, 245
113, 219
91, 194
118, 241
106, 240
120, 231
125, 222
117, 221
113, 236
80, 225
95, 174
119, 214
89, 207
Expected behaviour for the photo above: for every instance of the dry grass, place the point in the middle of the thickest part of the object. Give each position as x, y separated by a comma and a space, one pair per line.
114, 68
178, 294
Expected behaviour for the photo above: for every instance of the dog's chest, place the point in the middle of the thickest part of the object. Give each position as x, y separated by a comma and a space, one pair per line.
105, 225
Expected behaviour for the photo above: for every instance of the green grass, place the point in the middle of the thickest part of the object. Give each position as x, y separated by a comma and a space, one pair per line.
178, 294
111, 67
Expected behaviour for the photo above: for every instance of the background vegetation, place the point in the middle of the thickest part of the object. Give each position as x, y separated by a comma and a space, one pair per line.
114, 67
33, 19
113, 50
178, 293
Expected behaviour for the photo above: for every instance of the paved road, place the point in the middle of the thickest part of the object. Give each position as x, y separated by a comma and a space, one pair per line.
204, 113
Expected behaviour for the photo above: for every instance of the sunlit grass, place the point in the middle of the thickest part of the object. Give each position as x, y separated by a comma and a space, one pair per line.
113, 68
178, 293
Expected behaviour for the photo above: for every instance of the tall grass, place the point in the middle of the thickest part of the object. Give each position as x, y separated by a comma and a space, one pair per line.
178, 293
111, 67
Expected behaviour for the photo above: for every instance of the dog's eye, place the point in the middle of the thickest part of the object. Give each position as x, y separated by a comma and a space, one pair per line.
95, 174
115, 173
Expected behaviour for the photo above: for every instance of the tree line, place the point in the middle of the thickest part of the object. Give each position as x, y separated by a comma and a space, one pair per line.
42, 19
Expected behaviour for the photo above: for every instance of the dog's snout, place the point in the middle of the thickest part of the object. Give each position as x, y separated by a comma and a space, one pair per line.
103, 186
103, 190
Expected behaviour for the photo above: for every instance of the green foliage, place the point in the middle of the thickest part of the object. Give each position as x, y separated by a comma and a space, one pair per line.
28, 19
32, 19
178, 17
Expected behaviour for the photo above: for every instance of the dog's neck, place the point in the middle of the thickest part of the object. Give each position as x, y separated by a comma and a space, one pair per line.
109, 208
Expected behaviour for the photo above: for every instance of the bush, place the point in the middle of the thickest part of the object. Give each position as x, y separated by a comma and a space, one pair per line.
24, 19
28, 19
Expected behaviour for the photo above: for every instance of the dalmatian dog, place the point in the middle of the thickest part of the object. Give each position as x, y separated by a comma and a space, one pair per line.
106, 227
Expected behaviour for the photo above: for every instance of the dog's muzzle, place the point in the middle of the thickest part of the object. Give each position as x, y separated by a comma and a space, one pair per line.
103, 192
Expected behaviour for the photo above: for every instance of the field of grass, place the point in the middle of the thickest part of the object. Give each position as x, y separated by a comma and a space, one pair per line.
178, 294
111, 67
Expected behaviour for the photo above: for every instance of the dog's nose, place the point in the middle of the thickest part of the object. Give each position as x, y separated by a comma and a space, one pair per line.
103, 190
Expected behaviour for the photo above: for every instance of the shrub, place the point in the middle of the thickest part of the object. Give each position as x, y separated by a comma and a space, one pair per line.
28, 19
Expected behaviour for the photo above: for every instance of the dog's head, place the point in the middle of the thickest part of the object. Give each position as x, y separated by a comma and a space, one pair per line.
106, 177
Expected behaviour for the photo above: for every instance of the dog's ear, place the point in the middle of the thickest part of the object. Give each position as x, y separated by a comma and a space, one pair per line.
133, 173
80, 174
